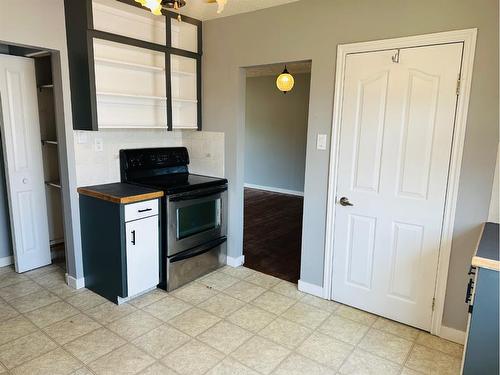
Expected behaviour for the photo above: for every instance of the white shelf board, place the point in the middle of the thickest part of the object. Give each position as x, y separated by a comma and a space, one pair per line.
159, 127
123, 95
184, 100
129, 64
55, 184
118, 126
187, 127
46, 142
181, 73
152, 97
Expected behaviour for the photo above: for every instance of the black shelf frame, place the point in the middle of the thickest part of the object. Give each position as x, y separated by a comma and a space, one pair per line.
80, 38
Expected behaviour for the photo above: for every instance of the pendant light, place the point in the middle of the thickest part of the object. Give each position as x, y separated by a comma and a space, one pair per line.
285, 81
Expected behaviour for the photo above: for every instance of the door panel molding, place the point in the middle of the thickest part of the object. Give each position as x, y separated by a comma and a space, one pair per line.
360, 248
372, 127
468, 38
410, 129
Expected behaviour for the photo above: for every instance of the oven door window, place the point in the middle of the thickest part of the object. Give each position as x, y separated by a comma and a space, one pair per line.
197, 218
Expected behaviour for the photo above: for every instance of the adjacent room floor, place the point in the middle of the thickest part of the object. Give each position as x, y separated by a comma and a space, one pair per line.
233, 321
273, 233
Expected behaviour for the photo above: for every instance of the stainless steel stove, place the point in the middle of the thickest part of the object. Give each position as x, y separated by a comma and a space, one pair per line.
194, 212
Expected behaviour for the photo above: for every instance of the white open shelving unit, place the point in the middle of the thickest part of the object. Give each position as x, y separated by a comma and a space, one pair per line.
131, 83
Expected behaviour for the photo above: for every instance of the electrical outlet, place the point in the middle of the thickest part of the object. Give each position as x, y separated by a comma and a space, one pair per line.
321, 142
98, 145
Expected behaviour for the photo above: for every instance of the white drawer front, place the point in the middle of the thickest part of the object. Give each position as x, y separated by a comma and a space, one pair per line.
139, 210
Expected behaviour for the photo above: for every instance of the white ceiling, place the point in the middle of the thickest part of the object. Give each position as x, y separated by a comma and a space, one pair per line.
203, 11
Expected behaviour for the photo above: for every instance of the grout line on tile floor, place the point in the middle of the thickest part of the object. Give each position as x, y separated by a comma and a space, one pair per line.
224, 356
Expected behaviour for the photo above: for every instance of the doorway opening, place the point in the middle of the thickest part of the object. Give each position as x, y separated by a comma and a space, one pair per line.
275, 155
31, 197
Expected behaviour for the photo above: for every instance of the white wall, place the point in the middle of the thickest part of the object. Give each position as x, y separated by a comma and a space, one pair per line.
206, 151
494, 215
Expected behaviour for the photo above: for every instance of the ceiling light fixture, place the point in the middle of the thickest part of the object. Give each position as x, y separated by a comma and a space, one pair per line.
285, 81
156, 6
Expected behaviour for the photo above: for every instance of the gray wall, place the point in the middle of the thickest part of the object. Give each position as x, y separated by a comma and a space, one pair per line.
5, 241
312, 29
276, 133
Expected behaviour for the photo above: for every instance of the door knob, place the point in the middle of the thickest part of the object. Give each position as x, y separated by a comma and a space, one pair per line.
344, 201
25, 180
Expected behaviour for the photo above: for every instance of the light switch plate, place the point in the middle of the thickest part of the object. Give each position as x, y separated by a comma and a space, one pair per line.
321, 142
82, 137
98, 145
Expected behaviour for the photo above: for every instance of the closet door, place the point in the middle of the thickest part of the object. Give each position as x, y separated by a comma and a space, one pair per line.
23, 159
396, 135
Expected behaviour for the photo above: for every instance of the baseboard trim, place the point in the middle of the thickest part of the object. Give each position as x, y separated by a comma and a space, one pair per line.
275, 190
6, 261
9, 260
452, 334
75, 283
235, 262
308, 288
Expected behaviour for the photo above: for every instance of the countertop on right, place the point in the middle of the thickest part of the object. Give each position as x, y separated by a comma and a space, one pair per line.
487, 252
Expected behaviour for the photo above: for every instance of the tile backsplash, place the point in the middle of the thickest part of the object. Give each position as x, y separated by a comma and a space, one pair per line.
97, 153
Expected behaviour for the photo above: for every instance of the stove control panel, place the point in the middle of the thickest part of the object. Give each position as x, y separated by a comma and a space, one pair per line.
153, 158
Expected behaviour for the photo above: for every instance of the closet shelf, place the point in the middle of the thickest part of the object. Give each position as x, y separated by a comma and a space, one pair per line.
122, 95
47, 142
45, 86
55, 184
130, 65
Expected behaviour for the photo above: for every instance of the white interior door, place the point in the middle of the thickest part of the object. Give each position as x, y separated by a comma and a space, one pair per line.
395, 143
23, 161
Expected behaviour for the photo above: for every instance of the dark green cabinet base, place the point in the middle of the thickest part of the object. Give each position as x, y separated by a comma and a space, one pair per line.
104, 262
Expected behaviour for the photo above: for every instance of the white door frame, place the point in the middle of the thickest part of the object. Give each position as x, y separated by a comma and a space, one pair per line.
468, 38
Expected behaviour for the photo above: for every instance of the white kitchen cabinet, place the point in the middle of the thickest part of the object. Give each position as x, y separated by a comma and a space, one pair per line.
142, 249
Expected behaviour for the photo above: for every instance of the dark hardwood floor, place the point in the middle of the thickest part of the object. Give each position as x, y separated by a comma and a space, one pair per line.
273, 233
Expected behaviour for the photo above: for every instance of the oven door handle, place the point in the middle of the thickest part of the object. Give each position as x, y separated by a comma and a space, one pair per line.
197, 251
198, 195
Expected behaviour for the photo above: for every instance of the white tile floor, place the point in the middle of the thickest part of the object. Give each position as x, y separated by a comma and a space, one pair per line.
233, 321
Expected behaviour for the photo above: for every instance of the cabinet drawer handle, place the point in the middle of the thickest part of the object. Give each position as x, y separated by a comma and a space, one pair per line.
145, 210
133, 237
